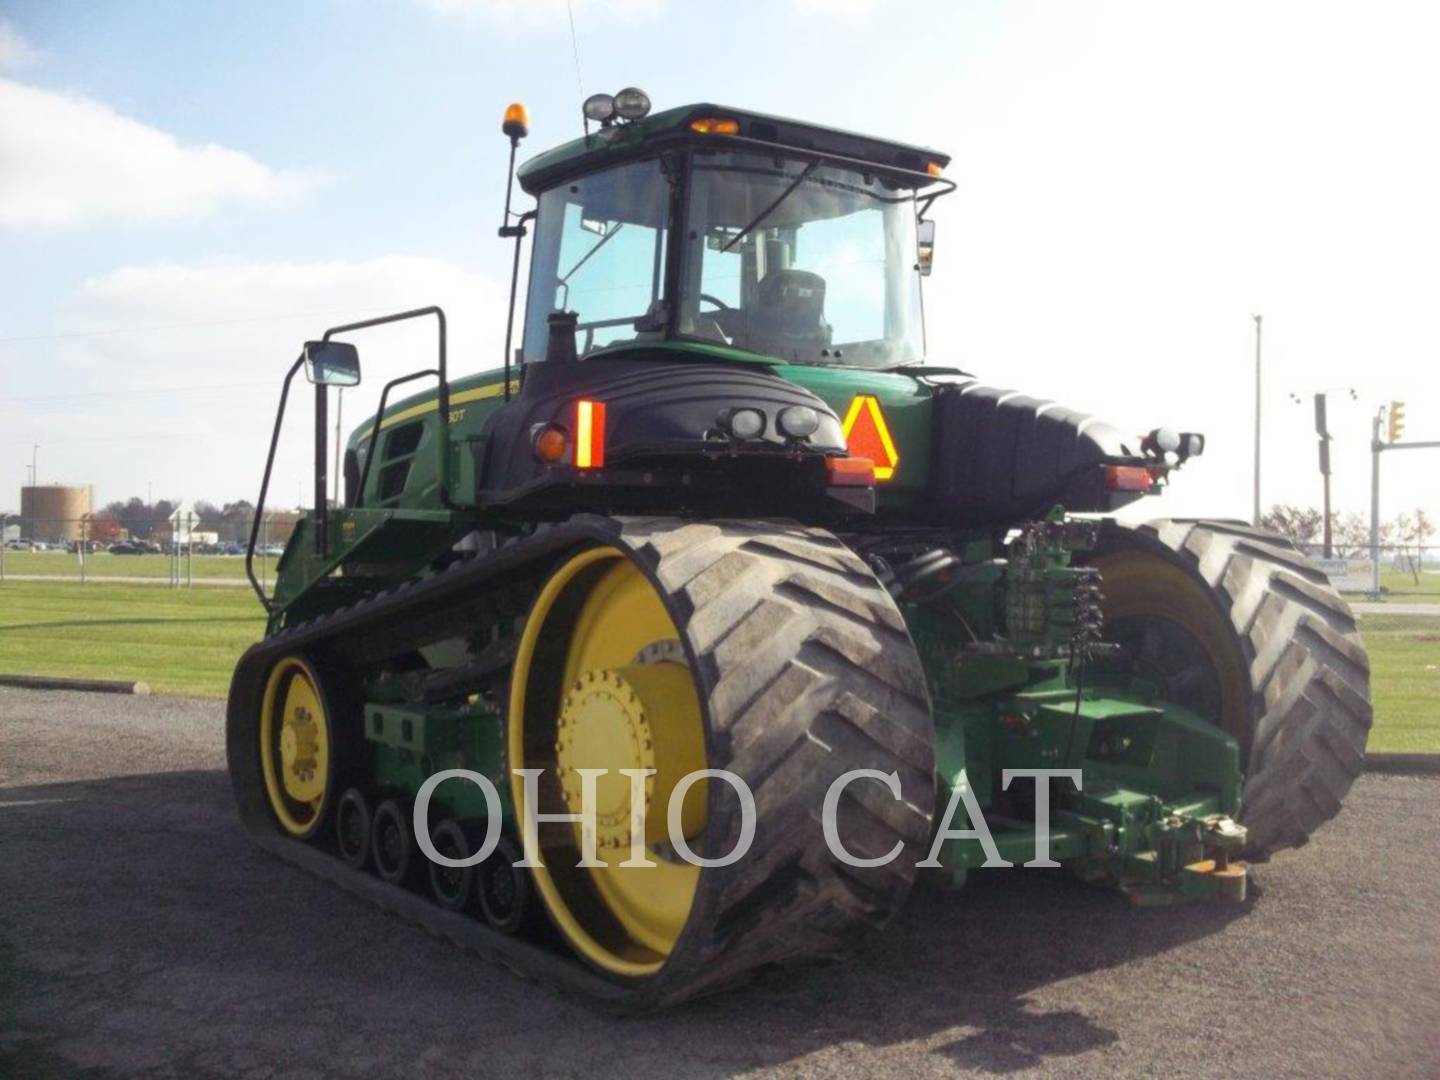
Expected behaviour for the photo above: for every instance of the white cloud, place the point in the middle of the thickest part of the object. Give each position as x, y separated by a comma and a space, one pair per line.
842, 9
177, 380
67, 160
533, 13
15, 51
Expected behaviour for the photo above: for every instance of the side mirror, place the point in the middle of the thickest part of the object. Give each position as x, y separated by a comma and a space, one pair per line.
924, 246
332, 363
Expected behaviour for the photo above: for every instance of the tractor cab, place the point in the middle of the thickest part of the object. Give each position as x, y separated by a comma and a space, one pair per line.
725, 229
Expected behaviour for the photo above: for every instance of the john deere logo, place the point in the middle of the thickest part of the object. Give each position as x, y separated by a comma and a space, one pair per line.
868, 436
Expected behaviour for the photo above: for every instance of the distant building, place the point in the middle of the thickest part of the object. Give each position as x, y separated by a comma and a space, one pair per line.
54, 511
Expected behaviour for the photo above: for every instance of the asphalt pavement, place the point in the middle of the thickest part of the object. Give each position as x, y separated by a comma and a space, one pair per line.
141, 935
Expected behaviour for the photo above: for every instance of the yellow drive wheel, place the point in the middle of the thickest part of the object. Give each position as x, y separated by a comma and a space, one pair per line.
295, 746
601, 682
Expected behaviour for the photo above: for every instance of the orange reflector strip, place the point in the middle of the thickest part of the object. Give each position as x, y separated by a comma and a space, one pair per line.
711, 125
934, 168
1128, 478
850, 471
589, 434
867, 435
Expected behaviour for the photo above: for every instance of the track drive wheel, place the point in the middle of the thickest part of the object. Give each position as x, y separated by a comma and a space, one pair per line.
763, 649
1235, 624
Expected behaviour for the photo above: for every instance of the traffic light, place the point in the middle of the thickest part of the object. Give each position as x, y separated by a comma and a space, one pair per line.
1397, 420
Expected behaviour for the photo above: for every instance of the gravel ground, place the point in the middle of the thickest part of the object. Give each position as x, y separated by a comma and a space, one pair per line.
141, 935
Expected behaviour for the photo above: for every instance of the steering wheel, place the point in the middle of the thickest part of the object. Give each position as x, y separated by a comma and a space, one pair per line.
716, 301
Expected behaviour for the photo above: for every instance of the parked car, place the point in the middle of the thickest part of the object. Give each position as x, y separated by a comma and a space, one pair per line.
128, 547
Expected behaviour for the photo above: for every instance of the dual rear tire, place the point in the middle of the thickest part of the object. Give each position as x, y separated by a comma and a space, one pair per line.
1239, 626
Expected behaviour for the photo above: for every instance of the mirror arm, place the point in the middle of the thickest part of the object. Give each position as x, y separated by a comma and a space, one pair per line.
322, 459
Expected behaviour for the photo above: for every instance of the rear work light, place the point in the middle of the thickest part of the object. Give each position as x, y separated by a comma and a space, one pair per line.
1128, 478
589, 434
850, 471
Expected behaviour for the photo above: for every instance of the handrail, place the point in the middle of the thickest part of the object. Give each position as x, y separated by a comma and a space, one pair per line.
265, 601
375, 429
443, 442
321, 512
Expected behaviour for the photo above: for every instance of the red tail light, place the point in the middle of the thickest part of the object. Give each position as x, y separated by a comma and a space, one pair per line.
850, 471
1128, 478
589, 434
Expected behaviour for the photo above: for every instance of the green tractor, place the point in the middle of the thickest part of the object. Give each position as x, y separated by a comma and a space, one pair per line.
682, 643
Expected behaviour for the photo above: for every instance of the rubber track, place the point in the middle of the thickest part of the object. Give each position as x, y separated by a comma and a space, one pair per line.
806, 671
1310, 710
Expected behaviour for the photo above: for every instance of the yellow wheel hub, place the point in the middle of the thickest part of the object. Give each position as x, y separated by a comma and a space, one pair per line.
622, 699
602, 726
295, 746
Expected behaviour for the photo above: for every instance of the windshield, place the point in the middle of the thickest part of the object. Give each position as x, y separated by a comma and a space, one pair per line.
808, 262
600, 252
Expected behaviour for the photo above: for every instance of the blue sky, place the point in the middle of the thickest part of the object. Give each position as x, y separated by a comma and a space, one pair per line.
1135, 180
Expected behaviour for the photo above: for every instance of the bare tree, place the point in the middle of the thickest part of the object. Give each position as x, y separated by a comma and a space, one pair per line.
1300, 524
1412, 531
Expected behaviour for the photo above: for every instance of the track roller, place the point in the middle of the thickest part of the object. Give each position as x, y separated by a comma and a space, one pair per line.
392, 842
352, 828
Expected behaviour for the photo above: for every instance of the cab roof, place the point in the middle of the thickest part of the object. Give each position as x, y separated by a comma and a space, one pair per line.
608, 146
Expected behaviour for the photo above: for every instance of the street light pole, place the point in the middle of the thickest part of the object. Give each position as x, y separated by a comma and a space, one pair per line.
1258, 320
35, 465
1375, 447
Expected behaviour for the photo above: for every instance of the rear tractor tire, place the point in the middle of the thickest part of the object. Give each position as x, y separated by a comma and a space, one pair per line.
1237, 625
766, 650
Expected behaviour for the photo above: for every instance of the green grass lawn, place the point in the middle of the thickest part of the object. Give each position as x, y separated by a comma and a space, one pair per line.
103, 564
179, 641
1405, 681
187, 641
1400, 585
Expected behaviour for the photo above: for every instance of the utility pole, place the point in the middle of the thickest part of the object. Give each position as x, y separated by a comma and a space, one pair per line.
1375, 447
1258, 320
1322, 430
35, 465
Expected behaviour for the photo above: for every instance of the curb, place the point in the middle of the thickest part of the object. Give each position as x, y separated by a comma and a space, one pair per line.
91, 686
1403, 764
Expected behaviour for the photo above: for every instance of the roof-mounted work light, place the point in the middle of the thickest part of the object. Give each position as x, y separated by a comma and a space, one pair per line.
632, 103
600, 108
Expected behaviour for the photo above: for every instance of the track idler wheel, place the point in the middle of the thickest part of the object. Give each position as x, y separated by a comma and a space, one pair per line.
392, 843
352, 828
297, 741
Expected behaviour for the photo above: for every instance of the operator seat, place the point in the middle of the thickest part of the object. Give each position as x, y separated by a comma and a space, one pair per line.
788, 317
